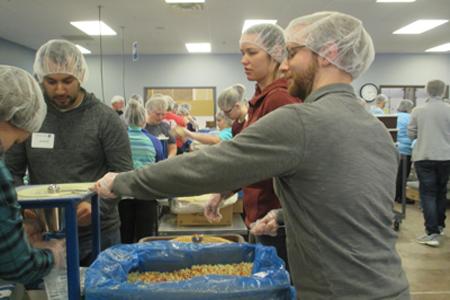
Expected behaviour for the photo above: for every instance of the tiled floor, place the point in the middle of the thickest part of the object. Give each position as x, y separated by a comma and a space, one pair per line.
427, 268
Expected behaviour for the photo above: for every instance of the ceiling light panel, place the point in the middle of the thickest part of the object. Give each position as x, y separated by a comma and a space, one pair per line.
93, 28
83, 50
420, 26
395, 1
184, 1
252, 22
440, 48
198, 47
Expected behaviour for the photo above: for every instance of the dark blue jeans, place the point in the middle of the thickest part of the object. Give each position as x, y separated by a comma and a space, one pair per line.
433, 177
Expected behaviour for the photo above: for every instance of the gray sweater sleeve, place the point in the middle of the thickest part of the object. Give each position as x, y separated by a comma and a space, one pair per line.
116, 144
264, 150
117, 151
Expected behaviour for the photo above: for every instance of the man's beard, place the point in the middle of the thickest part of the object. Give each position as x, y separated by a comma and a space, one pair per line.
301, 85
68, 102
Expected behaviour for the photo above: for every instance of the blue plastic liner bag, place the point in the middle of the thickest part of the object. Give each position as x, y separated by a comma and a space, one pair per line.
107, 277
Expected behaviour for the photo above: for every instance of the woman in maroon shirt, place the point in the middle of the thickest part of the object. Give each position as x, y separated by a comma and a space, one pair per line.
263, 52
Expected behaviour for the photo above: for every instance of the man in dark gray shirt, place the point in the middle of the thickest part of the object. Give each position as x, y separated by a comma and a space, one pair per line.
334, 167
156, 108
80, 140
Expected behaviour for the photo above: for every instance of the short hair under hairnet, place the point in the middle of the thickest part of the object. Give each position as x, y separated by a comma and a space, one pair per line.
230, 96
171, 104
135, 113
405, 105
221, 116
21, 101
436, 88
326, 33
60, 56
184, 109
268, 37
156, 102
117, 98
380, 98
137, 97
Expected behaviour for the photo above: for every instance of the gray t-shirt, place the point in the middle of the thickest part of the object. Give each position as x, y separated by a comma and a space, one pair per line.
334, 167
430, 125
161, 131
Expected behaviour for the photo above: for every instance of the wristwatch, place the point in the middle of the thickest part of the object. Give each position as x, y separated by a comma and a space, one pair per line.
368, 92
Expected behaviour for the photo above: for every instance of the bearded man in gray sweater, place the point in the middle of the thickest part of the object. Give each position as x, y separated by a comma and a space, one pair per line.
334, 167
80, 140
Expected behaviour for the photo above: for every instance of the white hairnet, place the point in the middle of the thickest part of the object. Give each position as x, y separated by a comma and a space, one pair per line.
21, 101
171, 104
137, 97
184, 109
156, 102
221, 116
117, 98
268, 37
230, 96
405, 105
60, 56
135, 113
328, 32
380, 98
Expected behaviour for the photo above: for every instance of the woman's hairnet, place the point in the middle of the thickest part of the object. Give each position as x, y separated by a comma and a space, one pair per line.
405, 105
221, 116
60, 56
337, 37
137, 97
184, 109
156, 102
21, 101
135, 113
269, 37
230, 96
117, 98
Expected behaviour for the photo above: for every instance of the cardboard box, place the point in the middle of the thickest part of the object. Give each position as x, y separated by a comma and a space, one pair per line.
238, 207
412, 193
198, 219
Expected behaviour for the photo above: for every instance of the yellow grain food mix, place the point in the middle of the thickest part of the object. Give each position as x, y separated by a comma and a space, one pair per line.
206, 239
239, 269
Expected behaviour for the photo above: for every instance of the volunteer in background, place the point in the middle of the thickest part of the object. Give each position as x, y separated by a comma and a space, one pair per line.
118, 104
430, 125
139, 218
404, 148
224, 125
232, 102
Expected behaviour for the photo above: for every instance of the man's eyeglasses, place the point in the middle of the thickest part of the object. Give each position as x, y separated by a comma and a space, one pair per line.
291, 52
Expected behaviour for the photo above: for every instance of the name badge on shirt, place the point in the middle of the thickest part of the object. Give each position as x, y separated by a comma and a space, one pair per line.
42, 140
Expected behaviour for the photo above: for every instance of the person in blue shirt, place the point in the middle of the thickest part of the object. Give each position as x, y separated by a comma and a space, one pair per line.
380, 103
404, 147
223, 123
